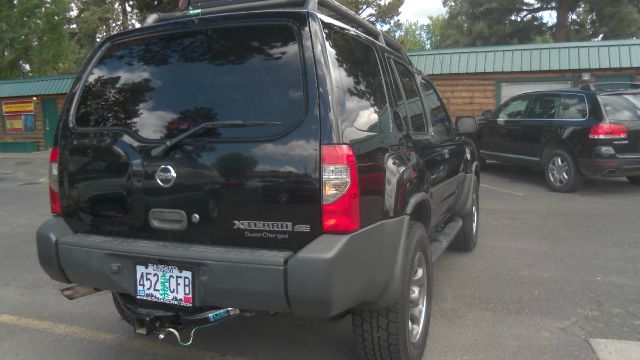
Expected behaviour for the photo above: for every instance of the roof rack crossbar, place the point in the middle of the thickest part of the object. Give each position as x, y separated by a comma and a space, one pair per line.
222, 6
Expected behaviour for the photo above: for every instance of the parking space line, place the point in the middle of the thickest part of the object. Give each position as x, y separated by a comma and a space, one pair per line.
78, 332
611, 349
502, 190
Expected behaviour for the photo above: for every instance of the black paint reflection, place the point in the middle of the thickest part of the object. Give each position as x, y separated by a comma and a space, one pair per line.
162, 86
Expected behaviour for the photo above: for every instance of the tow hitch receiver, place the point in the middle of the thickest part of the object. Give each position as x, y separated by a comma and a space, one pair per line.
181, 324
197, 321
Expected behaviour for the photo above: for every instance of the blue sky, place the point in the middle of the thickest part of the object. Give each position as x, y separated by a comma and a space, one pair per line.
418, 10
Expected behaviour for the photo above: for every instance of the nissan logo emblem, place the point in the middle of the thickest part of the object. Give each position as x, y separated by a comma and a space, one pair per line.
166, 176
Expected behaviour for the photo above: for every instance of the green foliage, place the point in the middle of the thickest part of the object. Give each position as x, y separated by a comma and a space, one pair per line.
379, 12
413, 36
34, 38
494, 22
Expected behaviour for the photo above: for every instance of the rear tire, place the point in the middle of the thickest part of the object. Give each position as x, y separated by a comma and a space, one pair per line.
467, 238
635, 180
127, 315
561, 171
399, 332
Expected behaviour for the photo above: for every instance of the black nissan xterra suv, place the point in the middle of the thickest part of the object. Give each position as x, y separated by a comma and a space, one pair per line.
171, 130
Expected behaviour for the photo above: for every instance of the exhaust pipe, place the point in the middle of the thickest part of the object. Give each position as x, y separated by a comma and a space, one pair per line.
77, 291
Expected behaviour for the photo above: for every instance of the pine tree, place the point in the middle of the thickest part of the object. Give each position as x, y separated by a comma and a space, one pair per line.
164, 286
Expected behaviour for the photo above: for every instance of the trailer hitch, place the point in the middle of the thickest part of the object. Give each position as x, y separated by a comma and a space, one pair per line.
198, 321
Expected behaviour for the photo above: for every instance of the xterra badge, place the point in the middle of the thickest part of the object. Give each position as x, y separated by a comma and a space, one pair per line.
269, 225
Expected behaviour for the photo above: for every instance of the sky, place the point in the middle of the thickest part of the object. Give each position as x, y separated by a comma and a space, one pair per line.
418, 10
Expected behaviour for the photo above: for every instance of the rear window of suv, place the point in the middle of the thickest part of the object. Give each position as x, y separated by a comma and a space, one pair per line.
161, 86
625, 107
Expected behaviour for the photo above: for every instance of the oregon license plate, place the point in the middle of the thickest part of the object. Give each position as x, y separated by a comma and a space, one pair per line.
164, 283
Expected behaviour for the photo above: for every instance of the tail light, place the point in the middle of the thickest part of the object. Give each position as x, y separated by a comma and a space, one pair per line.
340, 191
608, 131
54, 191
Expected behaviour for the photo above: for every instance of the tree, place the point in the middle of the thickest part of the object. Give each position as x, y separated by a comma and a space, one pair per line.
379, 12
412, 35
34, 38
492, 22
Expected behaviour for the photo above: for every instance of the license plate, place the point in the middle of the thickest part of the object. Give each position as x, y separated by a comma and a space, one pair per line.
164, 283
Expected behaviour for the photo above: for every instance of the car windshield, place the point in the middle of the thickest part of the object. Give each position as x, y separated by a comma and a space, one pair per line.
162, 86
625, 107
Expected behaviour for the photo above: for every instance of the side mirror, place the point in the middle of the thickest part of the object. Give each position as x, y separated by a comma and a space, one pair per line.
466, 125
487, 115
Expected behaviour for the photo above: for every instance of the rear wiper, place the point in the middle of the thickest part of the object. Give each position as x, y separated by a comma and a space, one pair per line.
157, 151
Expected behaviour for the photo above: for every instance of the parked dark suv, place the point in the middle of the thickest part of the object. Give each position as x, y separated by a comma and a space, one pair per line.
179, 139
569, 133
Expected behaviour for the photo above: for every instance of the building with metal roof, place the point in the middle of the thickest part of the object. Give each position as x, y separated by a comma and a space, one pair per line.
30, 109
480, 78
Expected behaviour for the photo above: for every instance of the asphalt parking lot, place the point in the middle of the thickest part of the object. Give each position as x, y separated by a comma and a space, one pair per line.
551, 272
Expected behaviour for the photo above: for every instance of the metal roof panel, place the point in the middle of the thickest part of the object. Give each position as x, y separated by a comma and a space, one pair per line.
532, 57
36, 86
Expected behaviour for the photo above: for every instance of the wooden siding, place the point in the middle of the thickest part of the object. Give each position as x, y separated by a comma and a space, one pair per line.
470, 94
38, 134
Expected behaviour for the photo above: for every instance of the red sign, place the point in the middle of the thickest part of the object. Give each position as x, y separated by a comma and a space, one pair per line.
17, 107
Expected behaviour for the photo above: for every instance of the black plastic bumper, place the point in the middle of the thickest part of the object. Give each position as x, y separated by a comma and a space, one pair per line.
332, 274
610, 167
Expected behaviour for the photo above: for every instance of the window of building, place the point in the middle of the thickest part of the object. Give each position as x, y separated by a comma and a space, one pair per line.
509, 89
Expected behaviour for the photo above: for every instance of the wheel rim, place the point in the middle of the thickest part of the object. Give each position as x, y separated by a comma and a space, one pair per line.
558, 170
417, 298
475, 211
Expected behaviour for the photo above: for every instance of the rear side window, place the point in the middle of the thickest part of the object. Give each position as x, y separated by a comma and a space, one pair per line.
573, 106
514, 108
357, 78
162, 86
439, 118
624, 107
544, 106
412, 97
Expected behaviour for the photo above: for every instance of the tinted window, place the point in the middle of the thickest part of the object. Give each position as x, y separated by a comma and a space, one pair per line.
573, 106
439, 118
514, 109
624, 107
413, 101
544, 107
161, 86
357, 78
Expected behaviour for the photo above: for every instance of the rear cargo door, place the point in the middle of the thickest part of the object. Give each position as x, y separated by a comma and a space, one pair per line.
624, 109
253, 182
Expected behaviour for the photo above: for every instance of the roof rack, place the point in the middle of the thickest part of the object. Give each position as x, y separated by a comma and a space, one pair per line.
611, 86
191, 8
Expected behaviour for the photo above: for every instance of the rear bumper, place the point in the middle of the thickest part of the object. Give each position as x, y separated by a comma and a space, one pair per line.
332, 274
611, 167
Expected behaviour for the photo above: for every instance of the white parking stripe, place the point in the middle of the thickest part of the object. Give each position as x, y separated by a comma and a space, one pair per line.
502, 190
611, 349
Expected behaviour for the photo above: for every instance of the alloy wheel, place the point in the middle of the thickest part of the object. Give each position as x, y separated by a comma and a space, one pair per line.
417, 298
558, 170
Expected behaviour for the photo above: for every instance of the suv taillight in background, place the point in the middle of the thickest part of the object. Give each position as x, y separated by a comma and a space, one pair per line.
608, 131
340, 191
54, 193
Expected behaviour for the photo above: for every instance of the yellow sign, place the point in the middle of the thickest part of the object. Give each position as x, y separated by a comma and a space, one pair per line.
15, 123
17, 107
